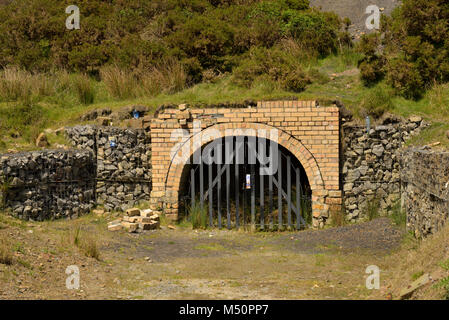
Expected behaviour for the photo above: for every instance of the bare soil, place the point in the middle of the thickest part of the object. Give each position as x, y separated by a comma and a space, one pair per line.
193, 264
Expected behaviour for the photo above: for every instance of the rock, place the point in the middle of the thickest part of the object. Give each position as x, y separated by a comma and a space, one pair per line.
415, 119
143, 219
418, 283
59, 131
133, 212
352, 175
98, 212
104, 121
115, 227
149, 225
378, 150
42, 141
133, 219
348, 187
131, 227
146, 213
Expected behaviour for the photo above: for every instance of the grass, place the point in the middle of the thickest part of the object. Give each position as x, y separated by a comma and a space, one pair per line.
444, 283
87, 244
398, 216
198, 216
58, 99
371, 209
416, 258
6, 257
210, 247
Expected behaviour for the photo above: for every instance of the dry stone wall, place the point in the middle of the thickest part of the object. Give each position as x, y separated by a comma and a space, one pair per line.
123, 163
425, 190
371, 168
47, 184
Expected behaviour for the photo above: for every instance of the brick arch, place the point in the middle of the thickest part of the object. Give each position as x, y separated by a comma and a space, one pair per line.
295, 146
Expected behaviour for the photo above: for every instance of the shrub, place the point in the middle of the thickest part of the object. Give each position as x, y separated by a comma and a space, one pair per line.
405, 78
416, 48
279, 66
201, 35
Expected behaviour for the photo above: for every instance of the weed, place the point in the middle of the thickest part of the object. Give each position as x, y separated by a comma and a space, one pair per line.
377, 101
338, 218
372, 209
416, 275
88, 245
25, 264
90, 248
444, 283
120, 83
5, 254
84, 89
210, 247
397, 215
198, 216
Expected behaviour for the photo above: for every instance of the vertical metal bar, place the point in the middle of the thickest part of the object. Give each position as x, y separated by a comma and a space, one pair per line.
262, 203
253, 197
210, 196
270, 206
289, 192
228, 194
192, 186
298, 199
237, 188
201, 185
219, 195
279, 191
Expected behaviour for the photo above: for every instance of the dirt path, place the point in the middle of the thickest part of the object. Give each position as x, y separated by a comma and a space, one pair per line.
189, 264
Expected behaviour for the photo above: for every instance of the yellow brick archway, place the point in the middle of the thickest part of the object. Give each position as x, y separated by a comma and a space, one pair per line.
310, 133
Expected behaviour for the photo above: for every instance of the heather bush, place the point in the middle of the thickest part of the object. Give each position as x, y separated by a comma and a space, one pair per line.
415, 44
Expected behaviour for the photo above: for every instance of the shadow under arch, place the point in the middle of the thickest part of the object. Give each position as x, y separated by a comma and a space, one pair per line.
178, 173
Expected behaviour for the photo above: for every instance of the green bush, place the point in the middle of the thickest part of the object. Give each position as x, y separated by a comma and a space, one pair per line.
275, 64
206, 36
415, 48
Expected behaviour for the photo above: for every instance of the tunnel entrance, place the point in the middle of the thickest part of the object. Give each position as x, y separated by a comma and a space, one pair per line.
245, 182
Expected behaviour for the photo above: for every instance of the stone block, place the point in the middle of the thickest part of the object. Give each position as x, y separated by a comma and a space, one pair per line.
133, 212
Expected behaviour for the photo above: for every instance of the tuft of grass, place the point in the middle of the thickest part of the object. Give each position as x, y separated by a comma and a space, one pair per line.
84, 89
398, 216
120, 83
444, 283
88, 245
5, 254
377, 101
416, 275
338, 218
211, 247
198, 216
90, 248
372, 209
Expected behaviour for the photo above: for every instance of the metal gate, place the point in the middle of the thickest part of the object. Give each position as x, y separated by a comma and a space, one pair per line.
239, 191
